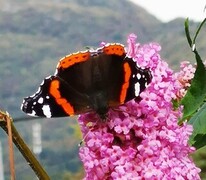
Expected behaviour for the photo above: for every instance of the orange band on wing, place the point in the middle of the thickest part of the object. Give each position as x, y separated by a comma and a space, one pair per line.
54, 91
72, 59
116, 49
125, 86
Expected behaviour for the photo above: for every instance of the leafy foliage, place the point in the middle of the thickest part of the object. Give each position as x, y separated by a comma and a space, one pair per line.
198, 138
194, 100
197, 92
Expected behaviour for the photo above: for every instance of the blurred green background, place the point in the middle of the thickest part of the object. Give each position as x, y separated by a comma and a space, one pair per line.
35, 34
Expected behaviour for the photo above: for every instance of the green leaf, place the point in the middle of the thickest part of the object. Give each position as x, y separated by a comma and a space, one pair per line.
200, 140
187, 32
198, 121
196, 94
198, 30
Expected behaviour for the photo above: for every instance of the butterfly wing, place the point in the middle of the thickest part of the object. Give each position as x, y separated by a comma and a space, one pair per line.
136, 80
55, 98
121, 79
124, 80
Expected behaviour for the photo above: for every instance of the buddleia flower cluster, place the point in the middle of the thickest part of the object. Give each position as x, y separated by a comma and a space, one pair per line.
142, 140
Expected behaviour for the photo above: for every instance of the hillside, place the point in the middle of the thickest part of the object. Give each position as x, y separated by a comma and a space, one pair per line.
36, 34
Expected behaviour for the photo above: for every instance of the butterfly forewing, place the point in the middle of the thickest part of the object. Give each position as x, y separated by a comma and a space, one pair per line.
138, 81
48, 102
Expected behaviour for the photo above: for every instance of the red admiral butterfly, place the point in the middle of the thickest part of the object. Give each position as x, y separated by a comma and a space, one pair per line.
92, 80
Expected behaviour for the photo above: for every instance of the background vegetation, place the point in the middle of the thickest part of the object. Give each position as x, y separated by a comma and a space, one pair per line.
35, 34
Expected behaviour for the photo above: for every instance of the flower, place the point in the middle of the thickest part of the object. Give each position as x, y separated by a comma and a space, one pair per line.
184, 78
143, 139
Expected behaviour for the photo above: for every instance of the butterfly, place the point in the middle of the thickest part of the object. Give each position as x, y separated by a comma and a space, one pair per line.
92, 80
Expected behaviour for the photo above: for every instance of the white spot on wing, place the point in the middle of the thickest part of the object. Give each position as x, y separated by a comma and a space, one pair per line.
47, 97
46, 111
137, 89
40, 100
138, 76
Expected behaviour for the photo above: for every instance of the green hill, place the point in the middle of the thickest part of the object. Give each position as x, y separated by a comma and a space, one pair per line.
35, 34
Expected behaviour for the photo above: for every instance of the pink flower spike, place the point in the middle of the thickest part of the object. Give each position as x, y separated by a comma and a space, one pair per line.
141, 139
131, 45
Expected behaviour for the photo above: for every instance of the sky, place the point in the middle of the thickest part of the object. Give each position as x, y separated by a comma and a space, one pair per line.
166, 10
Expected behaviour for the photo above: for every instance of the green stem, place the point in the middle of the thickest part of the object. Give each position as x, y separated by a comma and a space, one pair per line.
23, 148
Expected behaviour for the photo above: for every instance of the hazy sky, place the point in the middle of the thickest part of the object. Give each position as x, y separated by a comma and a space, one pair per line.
167, 10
